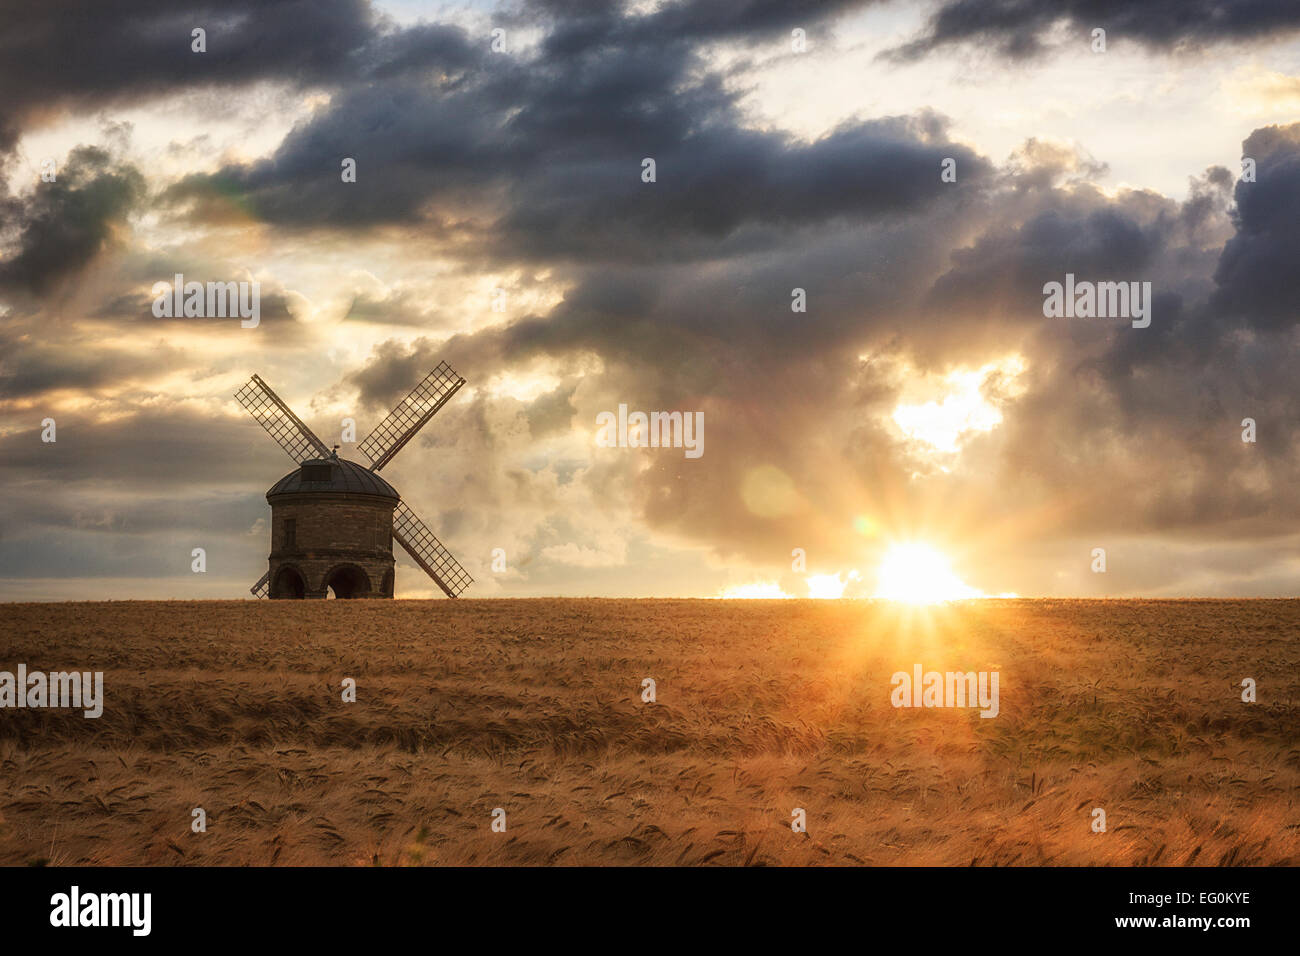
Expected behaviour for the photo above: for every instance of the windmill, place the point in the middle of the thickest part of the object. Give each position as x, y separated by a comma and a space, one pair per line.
333, 520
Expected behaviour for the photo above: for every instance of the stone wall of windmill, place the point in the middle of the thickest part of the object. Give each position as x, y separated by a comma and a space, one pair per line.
319, 541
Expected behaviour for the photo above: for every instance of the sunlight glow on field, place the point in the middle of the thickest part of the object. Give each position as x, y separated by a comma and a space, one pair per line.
826, 587
829, 586
760, 590
918, 574
910, 572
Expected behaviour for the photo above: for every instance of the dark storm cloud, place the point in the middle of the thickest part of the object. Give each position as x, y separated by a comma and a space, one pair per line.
1016, 28
167, 445
579, 24
1214, 318
66, 223
992, 289
392, 372
136, 495
1011, 265
1107, 402
716, 182
1257, 275
542, 158
412, 144
67, 54
685, 329
30, 369
72, 55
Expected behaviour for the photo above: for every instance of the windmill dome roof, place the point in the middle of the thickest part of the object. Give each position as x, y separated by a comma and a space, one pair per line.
332, 476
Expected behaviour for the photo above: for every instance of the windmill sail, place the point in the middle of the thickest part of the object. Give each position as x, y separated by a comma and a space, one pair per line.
427, 551
410, 415
261, 589
279, 421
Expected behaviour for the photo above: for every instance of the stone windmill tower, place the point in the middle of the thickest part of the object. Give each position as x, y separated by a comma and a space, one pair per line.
333, 521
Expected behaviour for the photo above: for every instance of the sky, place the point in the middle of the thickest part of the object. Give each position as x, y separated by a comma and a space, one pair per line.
919, 170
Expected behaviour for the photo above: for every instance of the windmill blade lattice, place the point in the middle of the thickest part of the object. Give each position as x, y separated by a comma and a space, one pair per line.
279, 421
262, 588
410, 415
427, 551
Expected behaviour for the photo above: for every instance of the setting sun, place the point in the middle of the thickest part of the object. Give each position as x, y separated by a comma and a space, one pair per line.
917, 573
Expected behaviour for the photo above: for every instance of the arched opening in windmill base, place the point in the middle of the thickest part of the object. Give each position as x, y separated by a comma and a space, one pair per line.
289, 584
347, 582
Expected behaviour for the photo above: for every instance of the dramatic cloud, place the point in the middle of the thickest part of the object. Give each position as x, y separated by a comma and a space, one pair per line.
62, 227
1017, 27
76, 56
1256, 275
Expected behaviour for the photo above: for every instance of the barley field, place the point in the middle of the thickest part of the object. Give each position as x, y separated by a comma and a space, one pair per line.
535, 707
